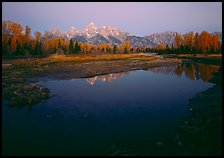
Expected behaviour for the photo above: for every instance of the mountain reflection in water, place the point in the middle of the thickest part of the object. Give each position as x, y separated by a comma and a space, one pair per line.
194, 71
107, 78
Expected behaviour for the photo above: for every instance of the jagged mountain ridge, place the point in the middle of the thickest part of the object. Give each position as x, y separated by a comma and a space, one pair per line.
165, 38
114, 36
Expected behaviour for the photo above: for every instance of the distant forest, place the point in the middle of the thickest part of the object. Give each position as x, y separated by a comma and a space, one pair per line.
17, 41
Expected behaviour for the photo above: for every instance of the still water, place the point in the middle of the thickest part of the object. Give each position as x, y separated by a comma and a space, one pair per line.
128, 113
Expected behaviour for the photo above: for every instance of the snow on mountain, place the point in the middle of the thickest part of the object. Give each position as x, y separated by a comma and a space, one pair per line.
165, 38
72, 32
56, 32
113, 36
90, 30
108, 30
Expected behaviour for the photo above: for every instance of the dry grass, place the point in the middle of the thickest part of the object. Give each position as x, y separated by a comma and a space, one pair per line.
73, 59
97, 57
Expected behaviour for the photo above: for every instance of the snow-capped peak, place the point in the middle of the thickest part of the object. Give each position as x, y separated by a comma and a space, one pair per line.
56, 32
91, 26
90, 30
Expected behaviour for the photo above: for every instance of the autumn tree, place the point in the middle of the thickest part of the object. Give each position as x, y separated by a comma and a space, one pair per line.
189, 40
160, 48
27, 33
6, 36
27, 41
196, 43
63, 45
178, 40
204, 41
127, 47
16, 37
214, 43
104, 48
121, 48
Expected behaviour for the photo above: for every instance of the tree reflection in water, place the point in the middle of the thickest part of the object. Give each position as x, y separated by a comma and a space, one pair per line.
201, 132
190, 70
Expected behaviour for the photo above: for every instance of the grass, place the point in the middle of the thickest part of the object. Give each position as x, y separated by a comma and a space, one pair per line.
78, 58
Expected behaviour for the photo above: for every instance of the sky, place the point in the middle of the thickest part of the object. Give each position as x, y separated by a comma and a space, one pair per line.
138, 18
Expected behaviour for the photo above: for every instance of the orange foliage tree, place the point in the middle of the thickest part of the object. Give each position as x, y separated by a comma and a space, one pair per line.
204, 41
178, 40
17, 41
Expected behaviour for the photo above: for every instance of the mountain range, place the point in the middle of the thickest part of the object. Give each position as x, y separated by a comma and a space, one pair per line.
114, 36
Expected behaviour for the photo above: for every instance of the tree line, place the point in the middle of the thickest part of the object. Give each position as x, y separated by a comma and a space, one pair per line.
18, 41
190, 43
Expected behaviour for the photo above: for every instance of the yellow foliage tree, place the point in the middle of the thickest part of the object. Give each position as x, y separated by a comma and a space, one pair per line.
178, 40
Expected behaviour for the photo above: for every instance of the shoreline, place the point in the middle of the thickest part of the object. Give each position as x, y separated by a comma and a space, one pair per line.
205, 121
19, 78
91, 69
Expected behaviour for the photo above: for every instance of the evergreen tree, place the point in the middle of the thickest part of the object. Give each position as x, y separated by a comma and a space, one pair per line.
37, 49
71, 47
114, 49
59, 43
77, 48
125, 50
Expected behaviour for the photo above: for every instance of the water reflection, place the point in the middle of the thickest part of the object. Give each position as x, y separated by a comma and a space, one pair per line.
134, 115
193, 71
107, 78
201, 132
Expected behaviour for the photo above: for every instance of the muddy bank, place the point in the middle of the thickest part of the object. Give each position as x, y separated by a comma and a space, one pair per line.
95, 68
